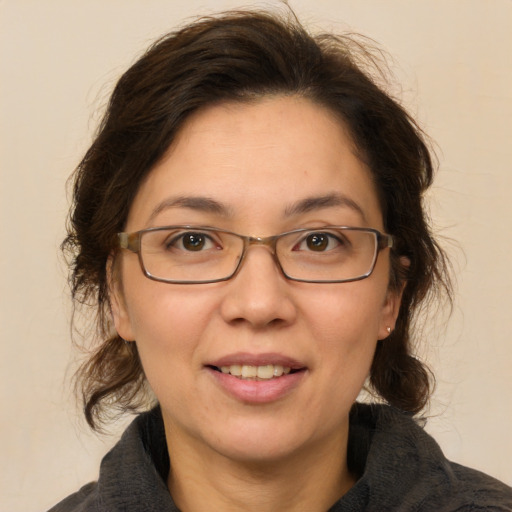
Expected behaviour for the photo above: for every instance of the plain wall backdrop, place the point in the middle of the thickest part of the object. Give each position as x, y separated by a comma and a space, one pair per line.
60, 58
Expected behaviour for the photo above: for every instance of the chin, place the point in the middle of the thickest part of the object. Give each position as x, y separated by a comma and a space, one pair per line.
259, 453
257, 443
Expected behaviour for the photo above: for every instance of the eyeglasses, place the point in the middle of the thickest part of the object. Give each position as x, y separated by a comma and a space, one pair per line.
194, 254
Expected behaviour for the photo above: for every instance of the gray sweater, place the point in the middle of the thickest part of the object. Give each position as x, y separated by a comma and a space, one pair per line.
400, 468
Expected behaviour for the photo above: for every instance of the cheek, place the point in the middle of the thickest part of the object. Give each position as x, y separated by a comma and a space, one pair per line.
345, 325
346, 311
168, 325
160, 310
167, 322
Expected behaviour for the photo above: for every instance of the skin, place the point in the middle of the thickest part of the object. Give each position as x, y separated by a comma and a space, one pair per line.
257, 160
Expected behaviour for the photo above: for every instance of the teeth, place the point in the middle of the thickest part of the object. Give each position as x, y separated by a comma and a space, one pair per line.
235, 369
250, 372
265, 372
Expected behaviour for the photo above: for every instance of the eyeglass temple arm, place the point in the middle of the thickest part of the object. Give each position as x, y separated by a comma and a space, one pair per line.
130, 241
385, 241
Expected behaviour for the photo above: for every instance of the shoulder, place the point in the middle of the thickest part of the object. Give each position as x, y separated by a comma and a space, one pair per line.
481, 491
402, 468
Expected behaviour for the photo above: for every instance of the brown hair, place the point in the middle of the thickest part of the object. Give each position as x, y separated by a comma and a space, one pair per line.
239, 56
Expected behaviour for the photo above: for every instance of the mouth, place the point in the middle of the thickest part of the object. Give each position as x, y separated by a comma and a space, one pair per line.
256, 373
257, 378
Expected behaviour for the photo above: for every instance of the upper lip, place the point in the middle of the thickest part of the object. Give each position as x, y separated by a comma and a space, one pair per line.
246, 358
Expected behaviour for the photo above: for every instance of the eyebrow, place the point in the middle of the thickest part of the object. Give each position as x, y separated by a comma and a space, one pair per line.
209, 205
203, 204
319, 202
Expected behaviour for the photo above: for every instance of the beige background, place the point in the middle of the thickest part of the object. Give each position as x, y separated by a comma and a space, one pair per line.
59, 59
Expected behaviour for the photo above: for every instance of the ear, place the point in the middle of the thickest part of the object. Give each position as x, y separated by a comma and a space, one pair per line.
118, 308
391, 306
389, 313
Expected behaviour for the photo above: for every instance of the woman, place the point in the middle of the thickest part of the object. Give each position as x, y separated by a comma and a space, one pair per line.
249, 223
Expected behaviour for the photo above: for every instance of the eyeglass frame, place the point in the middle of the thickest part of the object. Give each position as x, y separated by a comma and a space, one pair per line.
132, 242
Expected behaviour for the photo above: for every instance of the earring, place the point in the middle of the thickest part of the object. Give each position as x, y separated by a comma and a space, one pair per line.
388, 329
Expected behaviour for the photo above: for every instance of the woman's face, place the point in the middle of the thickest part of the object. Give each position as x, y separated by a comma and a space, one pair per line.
268, 167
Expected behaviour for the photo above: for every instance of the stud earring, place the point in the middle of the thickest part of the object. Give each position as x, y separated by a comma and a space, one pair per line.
388, 329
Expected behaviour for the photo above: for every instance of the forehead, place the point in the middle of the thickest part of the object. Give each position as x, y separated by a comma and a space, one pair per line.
258, 160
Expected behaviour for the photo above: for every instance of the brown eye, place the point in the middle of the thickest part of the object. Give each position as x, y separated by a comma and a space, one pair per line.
321, 241
190, 241
317, 242
193, 241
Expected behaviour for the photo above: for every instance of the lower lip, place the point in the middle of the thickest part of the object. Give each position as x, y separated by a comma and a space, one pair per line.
258, 391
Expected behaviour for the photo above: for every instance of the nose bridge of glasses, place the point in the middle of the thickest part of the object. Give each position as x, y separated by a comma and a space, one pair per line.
266, 241
269, 242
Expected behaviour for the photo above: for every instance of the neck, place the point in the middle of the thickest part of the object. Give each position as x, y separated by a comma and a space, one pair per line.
311, 480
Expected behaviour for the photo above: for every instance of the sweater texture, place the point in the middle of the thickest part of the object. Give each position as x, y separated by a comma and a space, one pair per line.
400, 468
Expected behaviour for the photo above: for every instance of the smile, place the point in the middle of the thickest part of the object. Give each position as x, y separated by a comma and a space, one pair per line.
257, 378
250, 372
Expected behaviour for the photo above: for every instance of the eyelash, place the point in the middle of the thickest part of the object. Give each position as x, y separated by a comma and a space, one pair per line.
180, 239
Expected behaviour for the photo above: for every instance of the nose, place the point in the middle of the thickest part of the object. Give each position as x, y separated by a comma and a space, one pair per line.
259, 294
